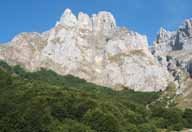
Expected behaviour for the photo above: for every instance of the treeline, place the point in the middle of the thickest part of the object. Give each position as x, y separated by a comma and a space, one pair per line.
44, 101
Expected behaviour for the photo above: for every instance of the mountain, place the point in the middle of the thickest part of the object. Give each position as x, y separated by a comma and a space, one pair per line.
174, 51
65, 79
92, 48
176, 40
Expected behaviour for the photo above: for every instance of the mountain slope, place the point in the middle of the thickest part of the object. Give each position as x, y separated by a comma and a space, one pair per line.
47, 102
173, 51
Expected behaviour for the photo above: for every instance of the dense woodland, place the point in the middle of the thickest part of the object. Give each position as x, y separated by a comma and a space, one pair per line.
44, 101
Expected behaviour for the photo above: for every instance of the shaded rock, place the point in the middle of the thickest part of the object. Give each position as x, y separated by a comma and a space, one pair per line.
173, 41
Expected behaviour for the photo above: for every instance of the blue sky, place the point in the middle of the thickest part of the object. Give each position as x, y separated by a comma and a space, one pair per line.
143, 16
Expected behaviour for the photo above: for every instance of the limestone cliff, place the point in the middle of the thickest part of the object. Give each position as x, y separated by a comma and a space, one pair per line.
92, 48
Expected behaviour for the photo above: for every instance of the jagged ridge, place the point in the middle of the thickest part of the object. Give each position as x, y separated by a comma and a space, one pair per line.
92, 48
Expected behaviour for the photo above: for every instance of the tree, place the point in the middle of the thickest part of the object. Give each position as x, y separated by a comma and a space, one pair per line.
188, 117
101, 122
5, 79
159, 122
69, 125
147, 127
131, 128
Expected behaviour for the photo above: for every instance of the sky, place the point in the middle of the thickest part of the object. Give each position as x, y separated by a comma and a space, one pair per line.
143, 16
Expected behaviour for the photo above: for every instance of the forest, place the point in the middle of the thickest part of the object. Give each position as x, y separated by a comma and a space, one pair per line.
44, 101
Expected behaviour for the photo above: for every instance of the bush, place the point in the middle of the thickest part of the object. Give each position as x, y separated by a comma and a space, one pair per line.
69, 125
159, 122
188, 117
135, 118
131, 128
147, 128
177, 127
101, 122
170, 117
5, 80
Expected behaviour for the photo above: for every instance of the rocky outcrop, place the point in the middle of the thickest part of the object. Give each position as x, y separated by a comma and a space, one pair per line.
174, 41
177, 44
174, 51
92, 48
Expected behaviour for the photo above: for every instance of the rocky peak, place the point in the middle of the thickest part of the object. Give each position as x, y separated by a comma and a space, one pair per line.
101, 23
68, 19
188, 23
92, 48
104, 22
181, 39
186, 28
84, 21
163, 35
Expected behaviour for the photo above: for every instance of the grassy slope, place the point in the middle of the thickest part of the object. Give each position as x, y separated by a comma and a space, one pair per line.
185, 100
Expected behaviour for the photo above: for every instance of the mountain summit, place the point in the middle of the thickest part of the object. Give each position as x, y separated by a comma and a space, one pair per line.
177, 40
93, 48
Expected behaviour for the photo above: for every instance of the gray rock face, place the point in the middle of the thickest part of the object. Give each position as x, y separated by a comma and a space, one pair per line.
177, 46
173, 41
92, 48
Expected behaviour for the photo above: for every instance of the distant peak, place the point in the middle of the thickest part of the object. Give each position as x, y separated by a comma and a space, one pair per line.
186, 28
163, 35
107, 16
188, 23
68, 18
162, 30
67, 11
103, 22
